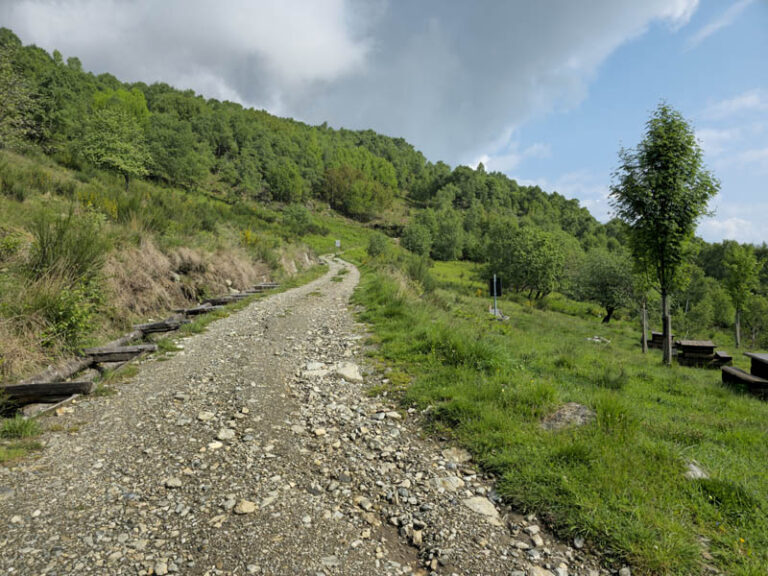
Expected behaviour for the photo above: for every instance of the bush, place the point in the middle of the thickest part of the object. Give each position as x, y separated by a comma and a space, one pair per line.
377, 245
70, 246
66, 312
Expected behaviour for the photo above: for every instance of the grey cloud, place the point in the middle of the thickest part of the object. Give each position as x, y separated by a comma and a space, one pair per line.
451, 77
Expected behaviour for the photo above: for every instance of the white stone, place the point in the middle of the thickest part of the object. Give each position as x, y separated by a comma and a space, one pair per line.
245, 507
349, 371
484, 507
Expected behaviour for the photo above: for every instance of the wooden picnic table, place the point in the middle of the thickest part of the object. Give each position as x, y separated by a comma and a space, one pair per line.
759, 365
704, 347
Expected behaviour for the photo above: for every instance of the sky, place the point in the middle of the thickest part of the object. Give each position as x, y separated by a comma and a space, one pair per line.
546, 92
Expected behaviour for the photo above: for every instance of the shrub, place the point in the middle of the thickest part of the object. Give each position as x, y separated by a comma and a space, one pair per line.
297, 220
69, 246
377, 245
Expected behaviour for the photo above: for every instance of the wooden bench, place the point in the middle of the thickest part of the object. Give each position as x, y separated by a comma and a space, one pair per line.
695, 352
753, 384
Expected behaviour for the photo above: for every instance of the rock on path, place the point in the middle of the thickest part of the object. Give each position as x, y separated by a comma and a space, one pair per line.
255, 450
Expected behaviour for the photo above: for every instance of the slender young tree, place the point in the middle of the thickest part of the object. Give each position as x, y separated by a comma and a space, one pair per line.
661, 190
741, 276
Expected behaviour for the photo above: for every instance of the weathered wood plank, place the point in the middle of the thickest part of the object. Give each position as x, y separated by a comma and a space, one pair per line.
221, 300
167, 325
118, 353
60, 372
45, 391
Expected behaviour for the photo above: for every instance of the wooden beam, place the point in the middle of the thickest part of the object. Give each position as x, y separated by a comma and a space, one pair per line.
167, 325
60, 372
118, 353
44, 391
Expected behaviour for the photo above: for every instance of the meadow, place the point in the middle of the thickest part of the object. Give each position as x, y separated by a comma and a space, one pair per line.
618, 481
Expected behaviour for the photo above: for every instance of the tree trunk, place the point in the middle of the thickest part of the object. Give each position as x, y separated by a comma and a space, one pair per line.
127, 181
666, 321
738, 328
645, 327
607, 317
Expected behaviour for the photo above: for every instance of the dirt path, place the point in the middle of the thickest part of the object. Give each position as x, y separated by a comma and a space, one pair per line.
256, 450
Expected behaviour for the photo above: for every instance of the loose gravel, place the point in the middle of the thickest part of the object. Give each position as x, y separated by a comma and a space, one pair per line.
256, 450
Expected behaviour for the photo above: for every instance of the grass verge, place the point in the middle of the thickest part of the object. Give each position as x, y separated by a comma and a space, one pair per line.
619, 481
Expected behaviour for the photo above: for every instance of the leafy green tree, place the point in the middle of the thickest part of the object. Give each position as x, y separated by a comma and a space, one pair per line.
285, 181
527, 259
114, 141
755, 316
417, 238
741, 276
661, 192
449, 236
177, 157
15, 101
606, 278
297, 219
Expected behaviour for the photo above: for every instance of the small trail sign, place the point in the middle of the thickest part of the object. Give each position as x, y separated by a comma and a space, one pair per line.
494, 286
338, 244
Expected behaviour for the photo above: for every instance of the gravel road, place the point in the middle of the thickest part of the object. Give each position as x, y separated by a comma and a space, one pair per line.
256, 450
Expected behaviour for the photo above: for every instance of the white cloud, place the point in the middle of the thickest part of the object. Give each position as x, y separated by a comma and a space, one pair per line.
449, 76
746, 102
722, 21
217, 50
715, 230
589, 188
714, 141
754, 159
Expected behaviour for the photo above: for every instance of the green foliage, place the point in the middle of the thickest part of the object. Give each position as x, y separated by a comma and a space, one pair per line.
378, 245
417, 238
297, 220
114, 140
662, 191
606, 278
70, 246
19, 427
285, 182
448, 238
618, 481
16, 103
527, 259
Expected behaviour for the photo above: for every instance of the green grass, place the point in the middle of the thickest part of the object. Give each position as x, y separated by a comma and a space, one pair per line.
618, 481
16, 438
18, 428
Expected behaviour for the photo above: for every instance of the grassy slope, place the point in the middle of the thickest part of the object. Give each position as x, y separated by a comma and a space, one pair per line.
619, 481
148, 234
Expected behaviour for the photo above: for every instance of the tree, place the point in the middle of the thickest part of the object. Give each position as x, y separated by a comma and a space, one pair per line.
606, 278
756, 319
114, 141
661, 191
417, 238
449, 236
114, 135
15, 101
741, 275
527, 259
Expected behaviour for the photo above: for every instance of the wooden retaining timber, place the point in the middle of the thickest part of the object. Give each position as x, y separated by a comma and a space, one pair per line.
51, 385
229, 299
61, 372
168, 325
118, 353
45, 391
263, 287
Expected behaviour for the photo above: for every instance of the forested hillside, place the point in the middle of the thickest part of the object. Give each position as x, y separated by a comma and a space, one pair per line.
171, 162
